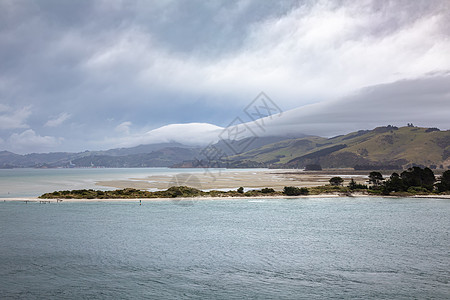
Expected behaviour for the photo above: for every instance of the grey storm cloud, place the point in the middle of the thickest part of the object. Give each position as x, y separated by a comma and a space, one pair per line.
424, 102
78, 75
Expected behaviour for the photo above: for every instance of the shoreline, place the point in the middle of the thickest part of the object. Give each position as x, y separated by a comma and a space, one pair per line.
359, 195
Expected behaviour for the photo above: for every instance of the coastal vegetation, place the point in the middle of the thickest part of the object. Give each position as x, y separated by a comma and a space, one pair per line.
337, 181
414, 181
295, 191
172, 192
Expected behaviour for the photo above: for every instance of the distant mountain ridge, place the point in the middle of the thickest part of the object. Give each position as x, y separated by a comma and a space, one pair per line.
382, 147
152, 155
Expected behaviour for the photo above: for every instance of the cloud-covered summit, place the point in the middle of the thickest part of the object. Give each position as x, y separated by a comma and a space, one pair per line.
87, 74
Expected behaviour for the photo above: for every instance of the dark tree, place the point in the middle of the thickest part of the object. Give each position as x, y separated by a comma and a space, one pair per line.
418, 177
336, 181
267, 190
428, 179
294, 191
445, 178
394, 183
352, 184
240, 190
375, 178
444, 182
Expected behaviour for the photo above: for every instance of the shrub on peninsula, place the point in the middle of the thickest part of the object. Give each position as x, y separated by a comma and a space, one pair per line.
295, 191
336, 181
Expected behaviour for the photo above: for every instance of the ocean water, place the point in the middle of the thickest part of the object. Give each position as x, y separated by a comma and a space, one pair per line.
35, 182
310, 248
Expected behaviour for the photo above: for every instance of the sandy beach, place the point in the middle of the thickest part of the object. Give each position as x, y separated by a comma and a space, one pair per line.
36, 199
180, 199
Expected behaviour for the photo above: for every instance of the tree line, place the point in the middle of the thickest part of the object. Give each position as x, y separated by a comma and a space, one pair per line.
414, 180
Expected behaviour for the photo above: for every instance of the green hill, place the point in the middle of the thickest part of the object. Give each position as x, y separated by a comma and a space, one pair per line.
383, 147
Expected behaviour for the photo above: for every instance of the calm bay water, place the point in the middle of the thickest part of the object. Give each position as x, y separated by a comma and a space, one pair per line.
231, 249
34, 182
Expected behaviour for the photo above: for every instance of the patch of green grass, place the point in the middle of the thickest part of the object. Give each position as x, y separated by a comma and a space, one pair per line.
328, 189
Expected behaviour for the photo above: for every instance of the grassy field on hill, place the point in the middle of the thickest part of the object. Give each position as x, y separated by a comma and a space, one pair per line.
388, 145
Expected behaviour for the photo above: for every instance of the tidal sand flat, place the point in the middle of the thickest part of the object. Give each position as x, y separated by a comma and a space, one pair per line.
232, 179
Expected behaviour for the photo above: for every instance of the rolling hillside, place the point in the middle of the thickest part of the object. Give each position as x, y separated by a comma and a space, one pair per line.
382, 146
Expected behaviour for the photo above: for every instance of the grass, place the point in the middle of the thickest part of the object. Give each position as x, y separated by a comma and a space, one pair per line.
410, 145
172, 192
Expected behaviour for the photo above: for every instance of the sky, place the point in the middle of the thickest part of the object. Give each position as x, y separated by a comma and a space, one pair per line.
91, 75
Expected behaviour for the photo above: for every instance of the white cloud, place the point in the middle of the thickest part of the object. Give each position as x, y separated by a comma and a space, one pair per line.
423, 102
328, 52
58, 120
29, 141
13, 119
123, 128
308, 55
188, 134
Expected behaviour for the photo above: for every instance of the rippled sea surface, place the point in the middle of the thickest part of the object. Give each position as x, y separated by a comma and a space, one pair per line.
232, 249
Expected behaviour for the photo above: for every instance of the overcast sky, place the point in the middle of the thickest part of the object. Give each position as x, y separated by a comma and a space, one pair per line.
77, 75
